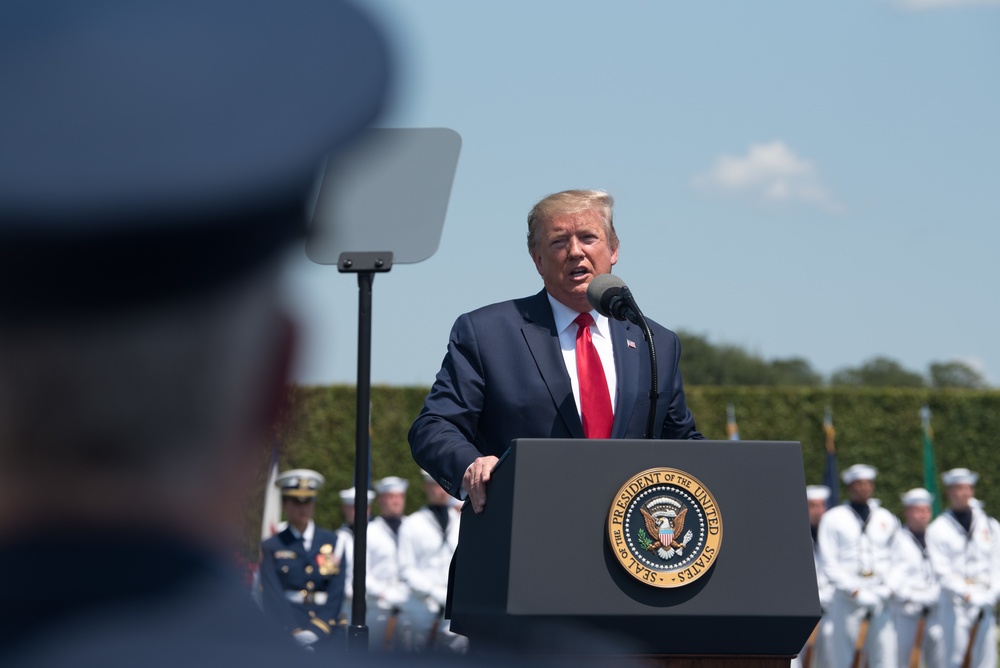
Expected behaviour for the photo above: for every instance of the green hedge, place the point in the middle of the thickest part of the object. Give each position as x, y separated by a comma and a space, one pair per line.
875, 426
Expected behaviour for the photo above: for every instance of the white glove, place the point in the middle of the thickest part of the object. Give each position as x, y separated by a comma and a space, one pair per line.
395, 597
305, 638
981, 598
440, 596
928, 597
867, 599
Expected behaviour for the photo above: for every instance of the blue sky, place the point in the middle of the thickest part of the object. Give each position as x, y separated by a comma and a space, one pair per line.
817, 180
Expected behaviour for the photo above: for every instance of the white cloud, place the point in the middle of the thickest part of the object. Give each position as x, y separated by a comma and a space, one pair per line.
771, 173
926, 5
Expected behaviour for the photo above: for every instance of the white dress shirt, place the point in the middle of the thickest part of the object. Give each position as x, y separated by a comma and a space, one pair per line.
306, 536
600, 333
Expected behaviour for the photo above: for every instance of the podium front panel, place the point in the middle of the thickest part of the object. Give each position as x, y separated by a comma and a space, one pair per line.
548, 506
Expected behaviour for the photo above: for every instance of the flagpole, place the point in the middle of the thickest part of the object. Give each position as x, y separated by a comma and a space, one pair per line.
930, 469
732, 429
272, 497
830, 467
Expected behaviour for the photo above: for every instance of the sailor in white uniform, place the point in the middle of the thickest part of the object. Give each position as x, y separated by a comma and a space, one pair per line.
963, 547
427, 542
386, 593
346, 531
855, 546
813, 654
914, 585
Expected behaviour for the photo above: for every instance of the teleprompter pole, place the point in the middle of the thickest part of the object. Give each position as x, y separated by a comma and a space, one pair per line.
365, 265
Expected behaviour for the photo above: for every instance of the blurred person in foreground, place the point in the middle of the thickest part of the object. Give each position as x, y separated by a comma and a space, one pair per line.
303, 567
548, 365
155, 162
855, 547
914, 585
963, 544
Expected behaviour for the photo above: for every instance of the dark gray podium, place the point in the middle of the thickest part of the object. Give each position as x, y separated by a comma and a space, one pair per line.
535, 572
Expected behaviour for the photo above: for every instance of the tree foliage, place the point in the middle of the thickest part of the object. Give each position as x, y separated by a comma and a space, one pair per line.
709, 364
957, 375
878, 372
704, 363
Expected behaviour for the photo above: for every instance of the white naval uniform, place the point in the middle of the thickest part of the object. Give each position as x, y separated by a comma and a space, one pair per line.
346, 535
822, 638
856, 557
966, 564
914, 590
425, 552
386, 593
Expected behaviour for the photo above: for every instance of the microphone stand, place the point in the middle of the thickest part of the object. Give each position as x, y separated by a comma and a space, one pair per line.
634, 314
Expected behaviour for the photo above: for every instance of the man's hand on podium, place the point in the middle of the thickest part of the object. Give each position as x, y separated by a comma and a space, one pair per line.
475, 479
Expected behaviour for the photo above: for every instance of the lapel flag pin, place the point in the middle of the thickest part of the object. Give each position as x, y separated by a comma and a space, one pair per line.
630, 342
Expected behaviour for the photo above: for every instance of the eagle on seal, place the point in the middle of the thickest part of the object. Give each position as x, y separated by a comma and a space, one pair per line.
665, 531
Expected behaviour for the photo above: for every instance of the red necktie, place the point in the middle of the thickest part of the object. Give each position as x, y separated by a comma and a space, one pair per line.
595, 400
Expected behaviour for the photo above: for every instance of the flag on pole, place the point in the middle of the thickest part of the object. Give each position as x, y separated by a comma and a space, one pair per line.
732, 429
272, 500
930, 470
830, 468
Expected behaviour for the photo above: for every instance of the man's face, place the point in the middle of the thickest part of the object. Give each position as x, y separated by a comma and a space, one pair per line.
298, 512
391, 504
572, 248
861, 490
917, 517
959, 495
816, 509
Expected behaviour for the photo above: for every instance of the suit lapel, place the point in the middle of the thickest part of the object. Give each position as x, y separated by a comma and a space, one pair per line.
627, 370
539, 331
293, 542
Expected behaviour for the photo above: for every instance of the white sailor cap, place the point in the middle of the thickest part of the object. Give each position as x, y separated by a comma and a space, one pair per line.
918, 496
139, 137
300, 483
817, 492
858, 472
960, 477
391, 484
347, 496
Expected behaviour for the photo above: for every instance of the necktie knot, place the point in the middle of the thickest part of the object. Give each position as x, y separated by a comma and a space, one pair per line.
584, 320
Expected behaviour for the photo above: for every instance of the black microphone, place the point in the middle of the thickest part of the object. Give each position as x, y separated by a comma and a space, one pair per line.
610, 297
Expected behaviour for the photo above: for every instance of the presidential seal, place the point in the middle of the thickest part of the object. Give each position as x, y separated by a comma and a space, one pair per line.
665, 528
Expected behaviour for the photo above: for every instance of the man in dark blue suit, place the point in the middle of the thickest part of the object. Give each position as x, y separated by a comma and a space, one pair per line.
303, 567
511, 368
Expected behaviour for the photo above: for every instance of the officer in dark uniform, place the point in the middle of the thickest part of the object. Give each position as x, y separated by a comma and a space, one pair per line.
303, 567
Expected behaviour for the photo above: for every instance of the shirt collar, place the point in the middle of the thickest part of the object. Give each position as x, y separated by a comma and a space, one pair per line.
564, 317
307, 535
